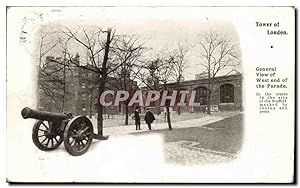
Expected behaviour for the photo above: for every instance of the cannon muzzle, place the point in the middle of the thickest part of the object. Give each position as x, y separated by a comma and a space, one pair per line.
42, 115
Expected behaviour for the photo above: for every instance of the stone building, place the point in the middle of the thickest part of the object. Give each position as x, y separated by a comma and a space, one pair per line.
81, 91
226, 94
86, 93
77, 91
56, 86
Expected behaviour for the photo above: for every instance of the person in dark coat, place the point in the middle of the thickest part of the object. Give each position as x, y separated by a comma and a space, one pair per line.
149, 118
137, 120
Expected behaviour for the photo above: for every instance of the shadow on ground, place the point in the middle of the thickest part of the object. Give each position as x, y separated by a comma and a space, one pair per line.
224, 136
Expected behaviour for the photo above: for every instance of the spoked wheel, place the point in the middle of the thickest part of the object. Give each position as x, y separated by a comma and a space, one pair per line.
46, 135
78, 135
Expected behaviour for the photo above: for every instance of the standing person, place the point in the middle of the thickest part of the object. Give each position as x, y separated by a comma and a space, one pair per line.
149, 118
137, 119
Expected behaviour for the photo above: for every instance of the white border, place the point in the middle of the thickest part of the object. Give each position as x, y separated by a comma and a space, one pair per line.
5, 3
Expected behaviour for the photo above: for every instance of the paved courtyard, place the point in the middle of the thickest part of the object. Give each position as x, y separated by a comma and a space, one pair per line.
115, 124
203, 141
195, 139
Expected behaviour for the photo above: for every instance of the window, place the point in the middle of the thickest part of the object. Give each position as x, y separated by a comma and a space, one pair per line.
84, 75
83, 85
201, 95
227, 93
83, 96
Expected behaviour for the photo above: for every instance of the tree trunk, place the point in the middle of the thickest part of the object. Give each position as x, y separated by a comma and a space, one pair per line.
126, 113
102, 80
168, 111
178, 97
168, 117
39, 78
100, 120
208, 102
100, 110
64, 89
178, 110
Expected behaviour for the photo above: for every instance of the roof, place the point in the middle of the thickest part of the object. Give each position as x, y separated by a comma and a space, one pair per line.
237, 76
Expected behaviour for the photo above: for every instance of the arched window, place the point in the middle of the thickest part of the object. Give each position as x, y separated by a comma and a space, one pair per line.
201, 95
227, 93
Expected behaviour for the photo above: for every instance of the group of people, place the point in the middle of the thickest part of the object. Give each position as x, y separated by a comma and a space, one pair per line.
149, 118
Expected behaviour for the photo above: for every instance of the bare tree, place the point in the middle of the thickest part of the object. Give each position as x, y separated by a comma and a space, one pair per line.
156, 74
126, 51
51, 71
96, 42
55, 73
179, 64
91, 89
106, 52
52, 83
45, 45
62, 49
218, 53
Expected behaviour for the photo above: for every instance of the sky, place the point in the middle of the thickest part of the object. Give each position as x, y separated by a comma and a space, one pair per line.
161, 27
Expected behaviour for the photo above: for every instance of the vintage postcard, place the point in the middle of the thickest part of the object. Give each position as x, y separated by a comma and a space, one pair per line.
150, 94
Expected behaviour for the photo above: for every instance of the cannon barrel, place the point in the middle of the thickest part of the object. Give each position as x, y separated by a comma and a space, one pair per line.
42, 115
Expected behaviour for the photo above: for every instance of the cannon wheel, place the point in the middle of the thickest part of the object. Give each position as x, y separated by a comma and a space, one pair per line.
46, 136
78, 135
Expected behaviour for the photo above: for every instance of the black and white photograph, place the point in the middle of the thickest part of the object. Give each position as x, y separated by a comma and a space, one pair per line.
150, 94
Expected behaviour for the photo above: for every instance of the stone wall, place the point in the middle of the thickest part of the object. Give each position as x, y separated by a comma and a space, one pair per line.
235, 80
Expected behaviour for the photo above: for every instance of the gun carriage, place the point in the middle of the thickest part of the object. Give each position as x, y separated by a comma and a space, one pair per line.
51, 129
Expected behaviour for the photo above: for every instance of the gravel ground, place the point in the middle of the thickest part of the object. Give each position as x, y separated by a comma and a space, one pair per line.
182, 153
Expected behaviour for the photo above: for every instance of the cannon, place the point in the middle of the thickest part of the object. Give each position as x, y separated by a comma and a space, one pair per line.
51, 129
